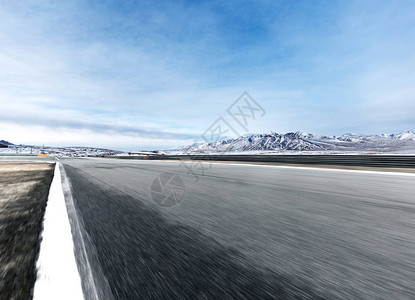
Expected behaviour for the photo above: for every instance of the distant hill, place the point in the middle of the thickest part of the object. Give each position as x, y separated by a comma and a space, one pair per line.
5, 144
55, 151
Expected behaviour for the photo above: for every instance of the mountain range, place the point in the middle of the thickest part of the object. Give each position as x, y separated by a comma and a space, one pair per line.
305, 142
269, 143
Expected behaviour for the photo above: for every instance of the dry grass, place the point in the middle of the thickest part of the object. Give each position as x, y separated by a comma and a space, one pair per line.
24, 189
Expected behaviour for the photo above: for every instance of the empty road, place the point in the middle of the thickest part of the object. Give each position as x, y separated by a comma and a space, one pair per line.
243, 231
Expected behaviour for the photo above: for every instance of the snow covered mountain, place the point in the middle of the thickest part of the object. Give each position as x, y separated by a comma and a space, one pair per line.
304, 142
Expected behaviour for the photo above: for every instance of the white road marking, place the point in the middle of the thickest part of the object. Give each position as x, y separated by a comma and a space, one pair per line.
58, 276
270, 166
322, 169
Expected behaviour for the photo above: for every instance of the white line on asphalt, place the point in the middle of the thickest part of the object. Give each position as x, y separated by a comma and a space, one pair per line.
274, 166
58, 276
322, 169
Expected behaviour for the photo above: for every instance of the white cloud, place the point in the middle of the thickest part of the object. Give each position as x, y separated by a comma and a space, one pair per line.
164, 74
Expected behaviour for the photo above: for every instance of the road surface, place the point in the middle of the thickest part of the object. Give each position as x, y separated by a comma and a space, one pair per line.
245, 231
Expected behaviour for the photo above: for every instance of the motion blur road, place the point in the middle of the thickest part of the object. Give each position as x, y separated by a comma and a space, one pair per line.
245, 231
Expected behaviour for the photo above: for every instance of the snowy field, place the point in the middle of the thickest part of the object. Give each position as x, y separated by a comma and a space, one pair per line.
57, 151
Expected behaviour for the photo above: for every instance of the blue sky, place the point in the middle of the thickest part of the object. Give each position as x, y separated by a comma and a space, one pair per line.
156, 74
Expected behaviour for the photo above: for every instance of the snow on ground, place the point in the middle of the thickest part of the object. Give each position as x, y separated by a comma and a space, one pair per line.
57, 151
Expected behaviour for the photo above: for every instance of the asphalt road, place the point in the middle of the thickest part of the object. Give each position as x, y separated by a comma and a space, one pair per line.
243, 231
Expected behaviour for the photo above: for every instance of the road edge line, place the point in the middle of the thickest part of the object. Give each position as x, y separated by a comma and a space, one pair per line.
57, 271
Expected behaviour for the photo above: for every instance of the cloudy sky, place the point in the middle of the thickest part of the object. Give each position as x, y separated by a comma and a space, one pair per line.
156, 74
